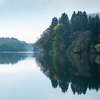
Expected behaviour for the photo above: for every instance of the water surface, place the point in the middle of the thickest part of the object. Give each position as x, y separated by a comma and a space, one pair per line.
29, 76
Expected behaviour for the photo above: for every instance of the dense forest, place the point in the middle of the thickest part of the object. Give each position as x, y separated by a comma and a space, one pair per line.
80, 34
12, 44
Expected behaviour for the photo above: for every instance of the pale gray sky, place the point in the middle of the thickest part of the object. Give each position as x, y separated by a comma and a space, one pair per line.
27, 19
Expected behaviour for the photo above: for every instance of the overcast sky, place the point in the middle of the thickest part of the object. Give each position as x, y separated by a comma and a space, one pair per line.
27, 19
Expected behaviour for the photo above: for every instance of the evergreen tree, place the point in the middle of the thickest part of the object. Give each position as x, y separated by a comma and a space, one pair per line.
84, 21
64, 19
58, 37
54, 22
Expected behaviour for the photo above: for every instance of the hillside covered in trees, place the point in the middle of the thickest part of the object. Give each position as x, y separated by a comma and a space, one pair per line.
12, 44
81, 34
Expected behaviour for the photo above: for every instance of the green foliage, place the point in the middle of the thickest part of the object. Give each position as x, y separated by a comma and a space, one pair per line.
57, 27
55, 44
97, 60
57, 37
97, 47
77, 48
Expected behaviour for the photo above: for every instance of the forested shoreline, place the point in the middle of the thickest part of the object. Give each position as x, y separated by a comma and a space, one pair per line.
12, 44
81, 34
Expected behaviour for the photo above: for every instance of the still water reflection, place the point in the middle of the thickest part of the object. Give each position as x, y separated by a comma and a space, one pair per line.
81, 72
14, 57
27, 76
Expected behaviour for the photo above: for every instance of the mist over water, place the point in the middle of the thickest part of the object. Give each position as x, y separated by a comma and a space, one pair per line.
28, 76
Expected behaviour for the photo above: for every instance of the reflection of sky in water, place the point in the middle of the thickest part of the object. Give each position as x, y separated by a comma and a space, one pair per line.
22, 66
25, 81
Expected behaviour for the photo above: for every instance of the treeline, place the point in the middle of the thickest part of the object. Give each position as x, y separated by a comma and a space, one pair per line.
12, 44
81, 34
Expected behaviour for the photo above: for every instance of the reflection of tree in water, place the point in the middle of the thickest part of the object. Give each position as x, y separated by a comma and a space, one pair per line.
7, 58
82, 72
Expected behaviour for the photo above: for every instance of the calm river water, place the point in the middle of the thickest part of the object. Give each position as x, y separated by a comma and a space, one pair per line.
30, 76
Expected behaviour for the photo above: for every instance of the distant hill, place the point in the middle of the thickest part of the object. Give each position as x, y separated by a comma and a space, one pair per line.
13, 44
35, 49
94, 14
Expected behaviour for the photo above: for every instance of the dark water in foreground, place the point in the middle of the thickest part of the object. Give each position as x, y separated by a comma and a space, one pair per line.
29, 76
